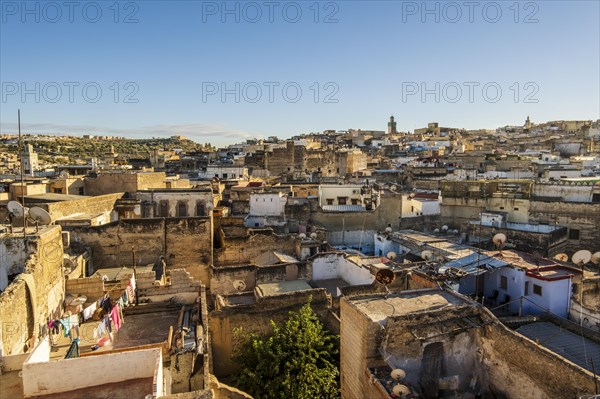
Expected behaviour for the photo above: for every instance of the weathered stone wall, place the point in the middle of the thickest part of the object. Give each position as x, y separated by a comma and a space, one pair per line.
23, 308
581, 216
240, 250
91, 287
255, 318
184, 242
91, 205
519, 368
222, 278
123, 182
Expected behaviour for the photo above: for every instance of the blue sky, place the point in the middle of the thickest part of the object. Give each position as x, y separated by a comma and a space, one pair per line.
368, 59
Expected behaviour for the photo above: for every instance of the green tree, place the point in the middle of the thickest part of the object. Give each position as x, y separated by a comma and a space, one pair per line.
298, 360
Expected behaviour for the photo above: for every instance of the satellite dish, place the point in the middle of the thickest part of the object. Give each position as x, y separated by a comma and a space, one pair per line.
105, 278
313, 235
444, 228
455, 231
239, 285
581, 257
562, 257
15, 208
63, 174
388, 229
499, 239
398, 374
393, 187
385, 276
436, 231
302, 235
296, 202
391, 255
426, 255
596, 258
411, 195
40, 216
401, 390
68, 263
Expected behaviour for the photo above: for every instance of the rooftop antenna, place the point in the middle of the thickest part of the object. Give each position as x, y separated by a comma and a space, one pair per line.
21, 149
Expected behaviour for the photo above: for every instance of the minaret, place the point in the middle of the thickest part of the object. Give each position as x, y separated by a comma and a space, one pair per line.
392, 126
527, 123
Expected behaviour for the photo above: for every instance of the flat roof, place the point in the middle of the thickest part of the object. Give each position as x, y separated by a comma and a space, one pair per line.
282, 287
378, 308
54, 197
575, 348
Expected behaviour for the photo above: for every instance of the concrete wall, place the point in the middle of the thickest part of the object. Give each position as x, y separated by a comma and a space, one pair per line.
44, 377
267, 204
184, 242
337, 266
244, 249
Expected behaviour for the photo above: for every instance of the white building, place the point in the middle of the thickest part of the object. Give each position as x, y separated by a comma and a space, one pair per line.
347, 198
223, 172
266, 209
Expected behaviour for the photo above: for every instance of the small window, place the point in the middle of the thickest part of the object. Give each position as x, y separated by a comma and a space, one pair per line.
537, 289
354, 201
573, 234
342, 200
80, 190
329, 201
504, 282
501, 207
516, 209
224, 175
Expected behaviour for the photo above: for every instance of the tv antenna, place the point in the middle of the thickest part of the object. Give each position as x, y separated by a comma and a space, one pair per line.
426, 255
499, 240
239, 285
561, 257
40, 217
385, 277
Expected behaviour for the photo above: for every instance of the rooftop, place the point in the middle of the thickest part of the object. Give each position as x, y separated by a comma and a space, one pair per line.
379, 307
282, 287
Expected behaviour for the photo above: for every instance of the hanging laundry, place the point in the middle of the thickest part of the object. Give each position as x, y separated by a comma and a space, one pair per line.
55, 326
89, 311
114, 314
73, 351
66, 326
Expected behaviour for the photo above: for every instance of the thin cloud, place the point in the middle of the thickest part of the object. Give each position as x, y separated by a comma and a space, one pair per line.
191, 130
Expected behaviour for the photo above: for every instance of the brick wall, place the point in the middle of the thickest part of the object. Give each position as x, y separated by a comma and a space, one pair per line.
91, 287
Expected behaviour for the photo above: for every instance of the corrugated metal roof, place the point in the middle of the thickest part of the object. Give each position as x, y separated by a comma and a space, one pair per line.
474, 264
571, 346
343, 208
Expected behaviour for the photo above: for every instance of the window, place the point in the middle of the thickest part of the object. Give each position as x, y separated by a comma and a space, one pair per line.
504, 282
163, 209
537, 289
354, 202
573, 234
526, 288
342, 200
516, 209
329, 201
224, 175
501, 207
596, 197
181, 209
200, 209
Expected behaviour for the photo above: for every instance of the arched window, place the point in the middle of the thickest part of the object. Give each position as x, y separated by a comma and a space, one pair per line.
182, 209
200, 209
163, 209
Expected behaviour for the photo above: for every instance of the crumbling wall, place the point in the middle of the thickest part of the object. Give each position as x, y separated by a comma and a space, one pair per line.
91, 287
255, 318
239, 250
25, 307
520, 368
91, 205
184, 242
